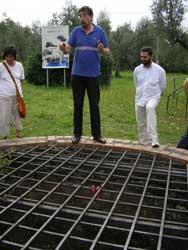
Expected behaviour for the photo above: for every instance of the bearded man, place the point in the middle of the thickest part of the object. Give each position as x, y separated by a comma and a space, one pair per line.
150, 82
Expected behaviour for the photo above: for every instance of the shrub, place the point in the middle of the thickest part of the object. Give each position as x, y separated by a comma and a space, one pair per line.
36, 75
106, 70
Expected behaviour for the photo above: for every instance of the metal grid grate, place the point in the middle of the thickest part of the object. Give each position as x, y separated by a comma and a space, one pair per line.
83, 198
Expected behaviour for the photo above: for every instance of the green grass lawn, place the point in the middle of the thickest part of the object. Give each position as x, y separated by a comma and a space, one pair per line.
50, 111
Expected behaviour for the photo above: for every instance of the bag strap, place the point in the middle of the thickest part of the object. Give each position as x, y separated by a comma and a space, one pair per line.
13, 79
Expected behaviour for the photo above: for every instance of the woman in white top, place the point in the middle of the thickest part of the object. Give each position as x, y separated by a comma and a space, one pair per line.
8, 99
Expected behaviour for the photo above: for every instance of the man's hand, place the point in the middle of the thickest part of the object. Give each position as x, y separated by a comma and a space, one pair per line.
104, 51
100, 47
63, 47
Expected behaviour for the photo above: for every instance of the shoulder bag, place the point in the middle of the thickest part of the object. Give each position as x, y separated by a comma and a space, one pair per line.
21, 104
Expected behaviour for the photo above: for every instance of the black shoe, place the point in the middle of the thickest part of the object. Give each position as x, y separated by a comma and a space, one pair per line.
155, 145
76, 139
99, 139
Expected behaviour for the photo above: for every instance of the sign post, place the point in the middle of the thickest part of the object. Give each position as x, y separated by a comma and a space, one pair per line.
65, 84
47, 78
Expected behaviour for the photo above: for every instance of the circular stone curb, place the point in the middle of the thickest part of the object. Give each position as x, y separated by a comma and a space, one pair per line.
165, 151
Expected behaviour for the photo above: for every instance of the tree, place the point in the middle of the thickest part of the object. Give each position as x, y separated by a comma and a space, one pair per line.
167, 17
23, 38
103, 20
145, 36
121, 44
68, 16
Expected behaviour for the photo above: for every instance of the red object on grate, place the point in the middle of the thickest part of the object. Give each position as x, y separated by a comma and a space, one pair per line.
94, 188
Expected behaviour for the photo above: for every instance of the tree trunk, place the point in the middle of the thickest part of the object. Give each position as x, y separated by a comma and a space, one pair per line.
117, 71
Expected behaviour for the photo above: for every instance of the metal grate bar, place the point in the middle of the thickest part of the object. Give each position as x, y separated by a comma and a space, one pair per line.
95, 215
113, 207
18, 157
164, 209
86, 223
21, 180
16, 183
87, 207
139, 207
23, 217
59, 209
18, 245
6, 159
187, 179
90, 198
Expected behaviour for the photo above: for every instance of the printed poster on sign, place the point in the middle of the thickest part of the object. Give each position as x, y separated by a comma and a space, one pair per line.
52, 56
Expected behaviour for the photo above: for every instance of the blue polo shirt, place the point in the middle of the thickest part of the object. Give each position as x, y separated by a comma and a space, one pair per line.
87, 56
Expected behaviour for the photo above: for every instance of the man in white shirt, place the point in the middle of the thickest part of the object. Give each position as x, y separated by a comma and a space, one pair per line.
150, 82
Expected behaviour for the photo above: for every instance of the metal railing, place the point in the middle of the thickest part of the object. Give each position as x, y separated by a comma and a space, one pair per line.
175, 94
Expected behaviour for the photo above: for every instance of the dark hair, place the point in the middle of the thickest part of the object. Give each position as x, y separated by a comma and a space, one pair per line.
86, 9
9, 51
149, 50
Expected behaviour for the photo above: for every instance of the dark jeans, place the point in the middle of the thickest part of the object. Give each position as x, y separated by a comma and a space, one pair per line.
79, 85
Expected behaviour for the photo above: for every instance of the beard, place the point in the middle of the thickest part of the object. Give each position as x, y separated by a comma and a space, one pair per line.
84, 25
146, 63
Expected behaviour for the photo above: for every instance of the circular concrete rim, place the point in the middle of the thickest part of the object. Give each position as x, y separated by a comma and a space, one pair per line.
165, 151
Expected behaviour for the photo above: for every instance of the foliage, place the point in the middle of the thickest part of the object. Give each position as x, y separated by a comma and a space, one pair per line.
121, 46
5, 159
68, 16
145, 33
106, 70
168, 14
37, 75
175, 58
167, 17
23, 38
103, 20
33, 67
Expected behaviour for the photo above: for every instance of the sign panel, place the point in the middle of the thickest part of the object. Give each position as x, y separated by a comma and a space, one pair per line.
52, 56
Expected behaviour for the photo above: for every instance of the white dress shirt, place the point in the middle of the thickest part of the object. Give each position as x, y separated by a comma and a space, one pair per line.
149, 82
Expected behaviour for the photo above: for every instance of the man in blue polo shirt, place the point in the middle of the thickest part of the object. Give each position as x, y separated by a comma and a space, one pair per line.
89, 41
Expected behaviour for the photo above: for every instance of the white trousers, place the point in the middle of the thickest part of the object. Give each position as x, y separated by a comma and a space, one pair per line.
8, 111
147, 122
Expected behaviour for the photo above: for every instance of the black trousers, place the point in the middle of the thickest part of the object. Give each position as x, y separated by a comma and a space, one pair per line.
79, 85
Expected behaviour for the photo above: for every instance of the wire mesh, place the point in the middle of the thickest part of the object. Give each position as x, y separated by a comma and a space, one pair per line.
89, 198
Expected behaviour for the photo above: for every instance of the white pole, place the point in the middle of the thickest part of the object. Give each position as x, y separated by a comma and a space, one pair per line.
47, 78
65, 84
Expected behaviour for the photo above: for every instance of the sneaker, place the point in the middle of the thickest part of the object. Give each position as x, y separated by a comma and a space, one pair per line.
155, 145
99, 139
76, 139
